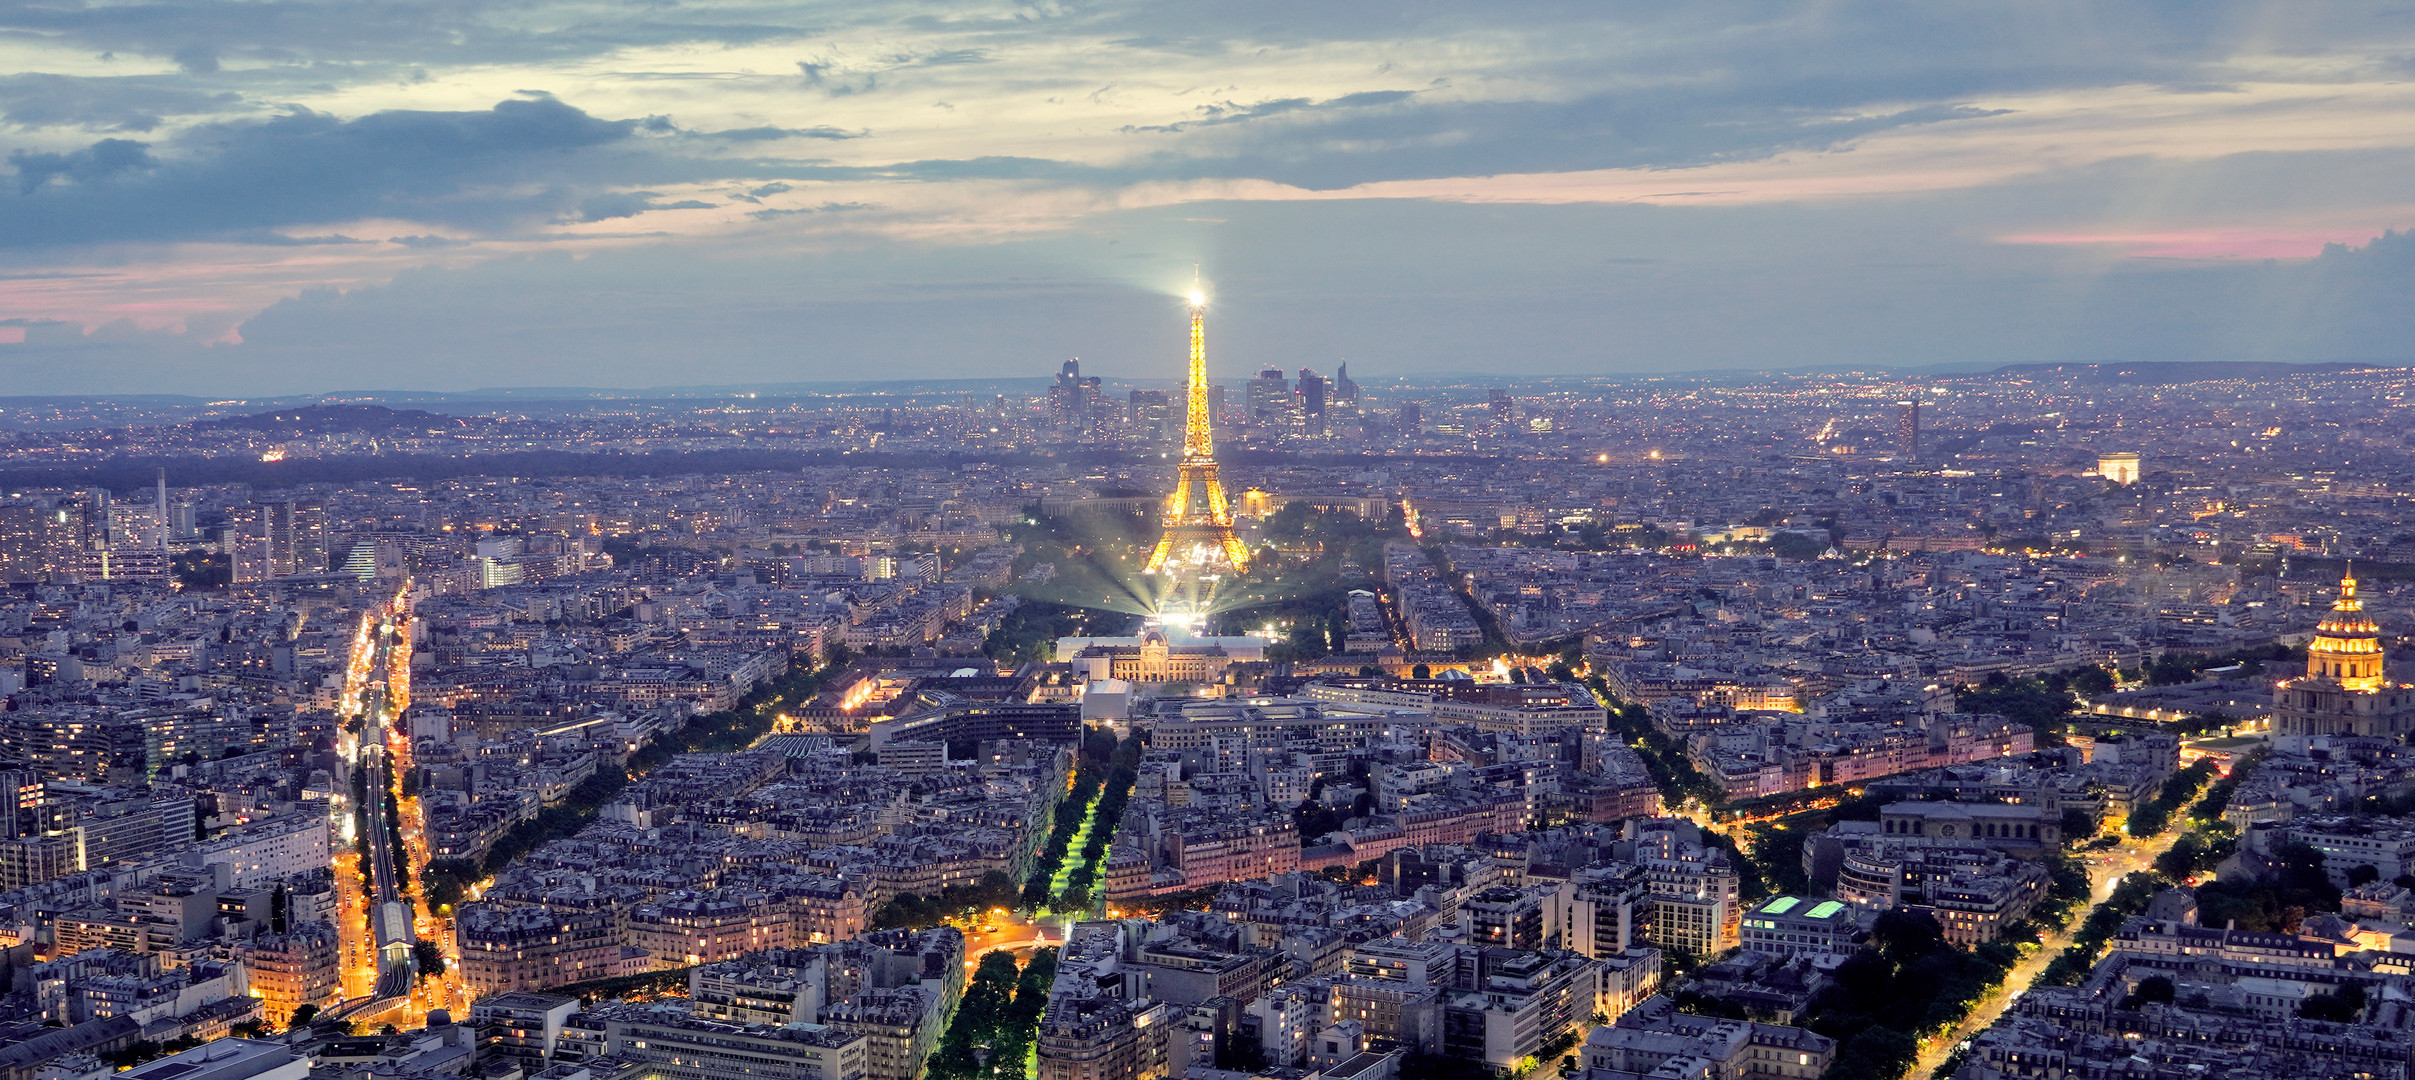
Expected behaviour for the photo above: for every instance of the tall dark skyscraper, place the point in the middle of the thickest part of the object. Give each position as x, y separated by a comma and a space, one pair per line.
1907, 429
1074, 399
1269, 397
306, 535
1064, 396
1313, 393
276, 539
1503, 409
1343, 389
1412, 419
1151, 408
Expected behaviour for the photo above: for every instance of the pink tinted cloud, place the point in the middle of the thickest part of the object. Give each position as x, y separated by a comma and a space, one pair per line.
2248, 242
204, 289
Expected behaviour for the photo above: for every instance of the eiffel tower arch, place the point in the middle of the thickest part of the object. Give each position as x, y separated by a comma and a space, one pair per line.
1198, 523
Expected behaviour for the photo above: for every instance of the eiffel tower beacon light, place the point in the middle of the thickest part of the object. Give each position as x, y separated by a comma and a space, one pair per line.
1198, 524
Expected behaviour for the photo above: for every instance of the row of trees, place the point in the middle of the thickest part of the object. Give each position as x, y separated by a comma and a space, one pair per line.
2295, 887
2155, 816
2291, 886
996, 1022
1123, 771
2136, 890
2174, 668
911, 910
446, 881
1911, 983
2067, 890
1672, 771
1089, 775
738, 728
2209, 839
2129, 898
1105, 773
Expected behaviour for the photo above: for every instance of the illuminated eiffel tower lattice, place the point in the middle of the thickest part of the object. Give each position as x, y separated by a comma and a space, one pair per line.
1198, 524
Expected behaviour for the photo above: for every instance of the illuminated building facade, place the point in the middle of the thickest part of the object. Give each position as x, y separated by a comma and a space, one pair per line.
2120, 467
1107, 1038
1155, 661
527, 948
2344, 690
39, 541
288, 971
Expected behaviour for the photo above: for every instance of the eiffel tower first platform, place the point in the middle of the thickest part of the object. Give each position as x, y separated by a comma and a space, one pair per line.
1198, 537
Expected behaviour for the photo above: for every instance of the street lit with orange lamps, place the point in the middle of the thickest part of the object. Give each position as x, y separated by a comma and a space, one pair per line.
386, 908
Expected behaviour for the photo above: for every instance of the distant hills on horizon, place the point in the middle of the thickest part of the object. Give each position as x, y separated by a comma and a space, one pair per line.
2165, 372
347, 418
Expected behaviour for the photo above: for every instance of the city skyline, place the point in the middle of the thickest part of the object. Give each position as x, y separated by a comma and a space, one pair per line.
677, 734
1100, 540
209, 201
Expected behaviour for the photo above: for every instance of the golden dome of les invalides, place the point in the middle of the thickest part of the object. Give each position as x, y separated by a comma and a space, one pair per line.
2344, 690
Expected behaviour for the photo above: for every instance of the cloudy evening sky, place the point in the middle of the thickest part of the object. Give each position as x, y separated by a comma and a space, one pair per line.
270, 196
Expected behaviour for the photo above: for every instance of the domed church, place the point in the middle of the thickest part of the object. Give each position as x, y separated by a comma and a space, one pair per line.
2345, 690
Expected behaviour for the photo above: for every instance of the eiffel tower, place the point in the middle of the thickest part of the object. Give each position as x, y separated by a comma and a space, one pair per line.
1198, 527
